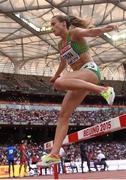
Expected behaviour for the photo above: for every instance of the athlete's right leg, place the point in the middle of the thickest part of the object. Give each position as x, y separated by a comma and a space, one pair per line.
71, 100
25, 168
9, 169
13, 168
82, 162
20, 168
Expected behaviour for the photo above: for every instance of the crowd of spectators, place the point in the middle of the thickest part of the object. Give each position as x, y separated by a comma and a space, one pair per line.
113, 150
49, 116
82, 116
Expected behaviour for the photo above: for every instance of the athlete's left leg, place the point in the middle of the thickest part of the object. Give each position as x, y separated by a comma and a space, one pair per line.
86, 80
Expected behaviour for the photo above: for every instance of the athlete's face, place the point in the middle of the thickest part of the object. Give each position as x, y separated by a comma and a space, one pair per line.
57, 26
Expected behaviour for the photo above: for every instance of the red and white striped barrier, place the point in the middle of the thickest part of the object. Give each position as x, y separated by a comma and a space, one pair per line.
105, 127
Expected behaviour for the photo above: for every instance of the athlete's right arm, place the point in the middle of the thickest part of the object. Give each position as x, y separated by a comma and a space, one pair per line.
60, 69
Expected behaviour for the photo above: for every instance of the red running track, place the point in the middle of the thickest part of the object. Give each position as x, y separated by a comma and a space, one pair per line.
109, 175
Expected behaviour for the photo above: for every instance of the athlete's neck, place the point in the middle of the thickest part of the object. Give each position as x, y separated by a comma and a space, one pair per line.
64, 35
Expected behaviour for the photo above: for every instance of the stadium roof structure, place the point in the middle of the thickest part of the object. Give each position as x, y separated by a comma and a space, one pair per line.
27, 45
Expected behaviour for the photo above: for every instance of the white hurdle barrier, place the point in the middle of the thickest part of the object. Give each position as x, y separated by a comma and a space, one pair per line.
109, 126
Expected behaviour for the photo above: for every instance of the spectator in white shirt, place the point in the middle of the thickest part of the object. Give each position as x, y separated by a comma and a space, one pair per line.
100, 160
73, 166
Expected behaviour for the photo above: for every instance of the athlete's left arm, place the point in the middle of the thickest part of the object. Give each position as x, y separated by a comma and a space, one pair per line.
80, 32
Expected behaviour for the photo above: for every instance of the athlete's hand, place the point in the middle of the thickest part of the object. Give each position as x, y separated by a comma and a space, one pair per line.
113, 27
52, 80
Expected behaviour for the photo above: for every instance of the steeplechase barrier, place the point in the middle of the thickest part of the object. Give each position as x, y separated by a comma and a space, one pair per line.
106, 127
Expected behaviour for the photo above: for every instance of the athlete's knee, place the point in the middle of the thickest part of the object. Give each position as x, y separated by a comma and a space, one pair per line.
59, 84
64, 114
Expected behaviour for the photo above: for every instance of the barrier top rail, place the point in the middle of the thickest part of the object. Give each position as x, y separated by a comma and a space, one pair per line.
105, 127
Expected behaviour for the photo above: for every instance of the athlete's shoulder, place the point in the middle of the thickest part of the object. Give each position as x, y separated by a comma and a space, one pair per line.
74, 34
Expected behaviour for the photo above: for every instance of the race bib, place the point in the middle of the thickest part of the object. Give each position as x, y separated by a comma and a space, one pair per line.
69, 54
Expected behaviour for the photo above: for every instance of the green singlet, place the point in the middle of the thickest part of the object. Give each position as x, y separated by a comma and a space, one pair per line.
78, 47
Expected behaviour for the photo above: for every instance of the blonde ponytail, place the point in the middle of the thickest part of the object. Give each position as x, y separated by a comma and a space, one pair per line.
75, 21
82, 23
